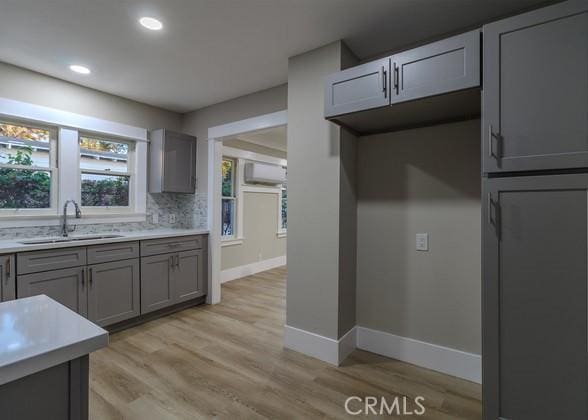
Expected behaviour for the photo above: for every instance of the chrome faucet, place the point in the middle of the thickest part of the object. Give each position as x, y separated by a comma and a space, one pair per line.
64, 228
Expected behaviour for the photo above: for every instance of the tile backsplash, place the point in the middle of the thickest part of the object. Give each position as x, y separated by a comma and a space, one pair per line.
190, 211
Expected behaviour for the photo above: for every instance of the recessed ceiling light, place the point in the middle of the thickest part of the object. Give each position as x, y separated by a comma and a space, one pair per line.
151, 23
79, 69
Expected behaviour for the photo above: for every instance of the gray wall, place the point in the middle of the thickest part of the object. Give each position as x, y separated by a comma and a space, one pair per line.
27, 86
198, 122
244, 145
314, 209
421, 181
260, 224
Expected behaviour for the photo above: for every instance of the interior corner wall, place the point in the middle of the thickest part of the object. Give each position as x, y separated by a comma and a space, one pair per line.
198, 122
425, 180
315, 149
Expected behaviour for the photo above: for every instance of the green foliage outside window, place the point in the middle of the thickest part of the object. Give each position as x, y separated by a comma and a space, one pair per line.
23, 188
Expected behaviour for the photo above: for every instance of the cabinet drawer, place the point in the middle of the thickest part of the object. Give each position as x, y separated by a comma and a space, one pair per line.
162, 246
113, 252
36, 261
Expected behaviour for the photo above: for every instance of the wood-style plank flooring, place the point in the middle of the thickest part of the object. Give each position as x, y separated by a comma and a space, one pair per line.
227, 361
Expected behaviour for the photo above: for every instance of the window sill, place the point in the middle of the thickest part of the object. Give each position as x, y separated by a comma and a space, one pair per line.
282, 234
7, 221
232, 241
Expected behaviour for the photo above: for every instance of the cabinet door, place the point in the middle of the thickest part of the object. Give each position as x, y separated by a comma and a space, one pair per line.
535, 298
179, 163
441, 67
188, 275
113, 291
67, 287
7, 278
157, 289
535, 98
358, 88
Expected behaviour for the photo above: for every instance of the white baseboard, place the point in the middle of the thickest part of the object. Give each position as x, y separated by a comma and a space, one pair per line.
323, 348
442, 359
250, 269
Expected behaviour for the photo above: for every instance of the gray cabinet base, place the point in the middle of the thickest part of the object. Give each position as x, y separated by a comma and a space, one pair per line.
154, 315
57, 393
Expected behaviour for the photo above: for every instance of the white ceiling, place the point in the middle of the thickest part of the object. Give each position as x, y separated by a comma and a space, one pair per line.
214, 50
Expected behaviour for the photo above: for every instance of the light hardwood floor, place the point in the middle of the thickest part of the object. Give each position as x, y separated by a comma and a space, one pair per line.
227, 361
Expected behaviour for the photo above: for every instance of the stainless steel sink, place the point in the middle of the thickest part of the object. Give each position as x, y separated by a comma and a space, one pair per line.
57, 240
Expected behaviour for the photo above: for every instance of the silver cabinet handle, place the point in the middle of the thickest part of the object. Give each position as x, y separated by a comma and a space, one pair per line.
171, 261
491, 137
494, 206
83, 277
178, 261
90, 276
8, 268
396, 78
384, 82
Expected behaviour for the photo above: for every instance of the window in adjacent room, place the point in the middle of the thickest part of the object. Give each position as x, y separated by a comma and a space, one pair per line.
106, 177
228, 198
283, 208
28, 167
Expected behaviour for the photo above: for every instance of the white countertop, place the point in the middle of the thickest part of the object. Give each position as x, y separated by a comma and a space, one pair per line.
37, 333
16, 245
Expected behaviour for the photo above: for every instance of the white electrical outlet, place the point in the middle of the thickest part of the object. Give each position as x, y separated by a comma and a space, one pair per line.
155, 218
422, 241
172, 218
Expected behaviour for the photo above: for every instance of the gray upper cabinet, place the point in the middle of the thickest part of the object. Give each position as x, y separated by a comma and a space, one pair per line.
445, 66
157, 287
188, 275
535, 96
535, 297
113, 291
7, 278
359, 88
67, 286
172, 167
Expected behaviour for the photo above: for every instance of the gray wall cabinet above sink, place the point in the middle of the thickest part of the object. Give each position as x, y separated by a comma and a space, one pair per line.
535, 95
7, 278
172, 162
441, 78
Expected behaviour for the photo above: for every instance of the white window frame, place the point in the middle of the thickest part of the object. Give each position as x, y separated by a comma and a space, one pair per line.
242, 157
68, 126
282, 233
52, 169
237, 235
94, 210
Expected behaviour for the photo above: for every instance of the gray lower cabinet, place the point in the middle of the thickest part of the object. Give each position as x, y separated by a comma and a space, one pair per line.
172, 278
188, 275
535, 297
449, 65
113, 291
7, 278
359, 88
534, 64
67, 286
172, 166
157, 290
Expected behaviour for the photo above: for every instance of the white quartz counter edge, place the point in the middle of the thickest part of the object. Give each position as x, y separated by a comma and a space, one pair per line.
44, 345
15, 245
